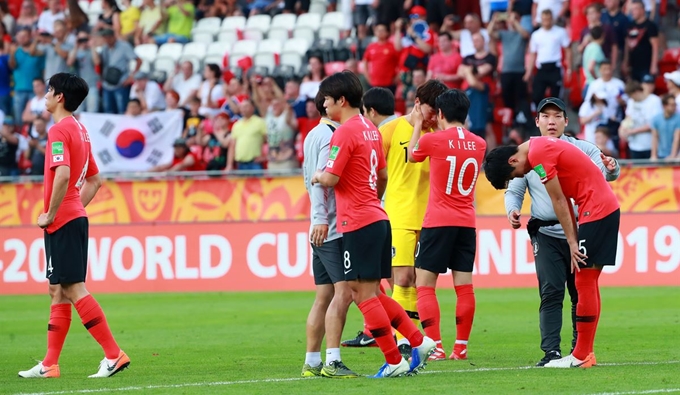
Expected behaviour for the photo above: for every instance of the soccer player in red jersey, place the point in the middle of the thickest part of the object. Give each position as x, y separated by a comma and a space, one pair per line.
356, 170
448, 239
569, 173
71, 182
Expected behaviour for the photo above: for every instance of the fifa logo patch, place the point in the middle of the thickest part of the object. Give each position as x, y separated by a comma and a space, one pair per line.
394, 251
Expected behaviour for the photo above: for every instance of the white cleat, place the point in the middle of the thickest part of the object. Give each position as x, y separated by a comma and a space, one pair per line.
421, 353
108, 368
389, 371
41, 372
569, 361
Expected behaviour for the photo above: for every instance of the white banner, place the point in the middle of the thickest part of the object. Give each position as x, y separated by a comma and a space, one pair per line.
121, 143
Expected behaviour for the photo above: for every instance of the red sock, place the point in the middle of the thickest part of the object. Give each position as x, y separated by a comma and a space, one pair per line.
428, 310
367, 331
465, 311
400, 320
378, 323
587, 311
93, 318
57, 329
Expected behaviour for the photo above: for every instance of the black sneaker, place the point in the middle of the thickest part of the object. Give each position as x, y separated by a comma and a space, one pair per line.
549, 356
405, 350
362, 340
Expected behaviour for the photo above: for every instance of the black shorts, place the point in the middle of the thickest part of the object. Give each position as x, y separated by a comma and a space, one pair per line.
599, 240
361, 14
367, 252
66, 252
447, 247
327, 262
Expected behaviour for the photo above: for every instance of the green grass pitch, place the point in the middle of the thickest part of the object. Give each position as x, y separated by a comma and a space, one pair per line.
254, 343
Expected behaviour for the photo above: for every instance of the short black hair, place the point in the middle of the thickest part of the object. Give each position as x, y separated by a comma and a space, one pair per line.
73, 88
596, 32
344, 84
381, 100
428, 92
217, 72
605, 61
454, 105
38, 79
318, 102
496, 166
136, 101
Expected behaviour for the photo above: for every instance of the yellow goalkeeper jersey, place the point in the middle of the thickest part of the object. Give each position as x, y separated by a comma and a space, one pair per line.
408, 184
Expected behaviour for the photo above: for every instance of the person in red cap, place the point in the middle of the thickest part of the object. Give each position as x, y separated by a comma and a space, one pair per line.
417, 41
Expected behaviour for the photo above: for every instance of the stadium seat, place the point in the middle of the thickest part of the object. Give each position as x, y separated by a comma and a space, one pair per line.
334, 67
233, 23
145, 67
336, 19
207, 25
84, 5
243, 48
195, 53
312, 21
94, 11
256, 27
268, 52
284, 21
170, 50
205, 38
146, 52
318, 7
282, 26
330, 33
230, 36
293, 52
216, 51
305, 33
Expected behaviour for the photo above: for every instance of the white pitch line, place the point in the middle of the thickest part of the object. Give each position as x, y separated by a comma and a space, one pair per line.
282, 380
660, 391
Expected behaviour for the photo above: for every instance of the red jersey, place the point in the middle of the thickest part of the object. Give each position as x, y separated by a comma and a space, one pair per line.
382, 61
456, 156
580, 178
195, 151
445, 64
68, 144
355, 156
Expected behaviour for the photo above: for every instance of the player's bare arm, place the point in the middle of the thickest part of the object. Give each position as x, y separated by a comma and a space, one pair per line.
382, 182
62, 175
325, 178
565, 215
90, 188
417, 121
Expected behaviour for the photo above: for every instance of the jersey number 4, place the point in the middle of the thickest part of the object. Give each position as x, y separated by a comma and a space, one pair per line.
461, 174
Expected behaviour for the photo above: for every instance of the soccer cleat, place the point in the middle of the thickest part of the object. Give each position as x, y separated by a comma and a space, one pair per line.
405, 350
107, 369
362, 340
459, 352
41, 372
421, 353
311, 371
389, 371
338, 370
570, 361
549, 356
438, 355
593, 361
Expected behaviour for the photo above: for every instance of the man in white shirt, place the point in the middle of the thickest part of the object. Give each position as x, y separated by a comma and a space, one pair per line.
51, 14
612, 87
545, 51
673, 85
472, 25
557, 7
184, 82
636, 128
148, 93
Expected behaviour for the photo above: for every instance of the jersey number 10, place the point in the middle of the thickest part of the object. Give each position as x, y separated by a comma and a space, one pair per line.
461, 173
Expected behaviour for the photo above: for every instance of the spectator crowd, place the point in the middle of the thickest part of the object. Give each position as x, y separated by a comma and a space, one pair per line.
612, 60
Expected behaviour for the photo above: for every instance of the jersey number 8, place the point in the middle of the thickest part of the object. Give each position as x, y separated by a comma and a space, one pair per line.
373, 177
